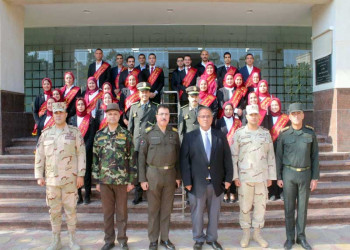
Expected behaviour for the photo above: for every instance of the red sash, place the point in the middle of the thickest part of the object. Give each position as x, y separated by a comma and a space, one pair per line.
249, 81
41, 112
237, 96
208, 100
188, 78
262, 111
236, 125
71, 94
50, 123
103, 124
102, 69
211, 80
154, 76
280, 123
92, 104
84, 125
116, 81
232, 70
130, 100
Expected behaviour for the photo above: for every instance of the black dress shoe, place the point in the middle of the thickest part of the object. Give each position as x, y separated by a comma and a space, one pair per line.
304, 244
137, 201
108, 246
80, 201
288, 244
167, 244
153, 245
198, 245
124, 246
87, 201
215, 245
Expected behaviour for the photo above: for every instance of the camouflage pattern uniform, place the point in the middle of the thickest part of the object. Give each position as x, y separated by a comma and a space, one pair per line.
253, 163
114, 168
60, 154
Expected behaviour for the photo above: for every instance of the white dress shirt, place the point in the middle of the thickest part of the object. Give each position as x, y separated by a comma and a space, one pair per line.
229, 123
98, 65
250, 69
68, 89
274, 119
79, 120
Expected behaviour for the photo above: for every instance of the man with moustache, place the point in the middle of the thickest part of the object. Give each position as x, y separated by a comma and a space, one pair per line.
206, 171
159, 174
201, 66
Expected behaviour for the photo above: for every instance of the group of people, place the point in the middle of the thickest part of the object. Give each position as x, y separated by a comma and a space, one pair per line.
230, 128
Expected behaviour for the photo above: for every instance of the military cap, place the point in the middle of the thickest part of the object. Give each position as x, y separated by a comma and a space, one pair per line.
112, 106
59, 107
192, 90
143, 86
294, 107
252, 109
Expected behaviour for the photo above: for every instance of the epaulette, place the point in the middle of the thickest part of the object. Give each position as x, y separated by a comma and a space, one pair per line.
184, 106
284, 129
148, 129
309, 127
135, 103
155, 103
174, 129
45, 129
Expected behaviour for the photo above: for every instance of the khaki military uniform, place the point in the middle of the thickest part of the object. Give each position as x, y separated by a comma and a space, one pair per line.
114, 168
253, 163
159, 166
188, 119
60, 155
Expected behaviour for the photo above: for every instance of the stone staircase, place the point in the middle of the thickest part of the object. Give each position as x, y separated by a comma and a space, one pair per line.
22, 202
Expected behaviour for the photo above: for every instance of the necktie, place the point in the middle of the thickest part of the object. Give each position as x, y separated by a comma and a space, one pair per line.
152, 69
143, 106
207, 145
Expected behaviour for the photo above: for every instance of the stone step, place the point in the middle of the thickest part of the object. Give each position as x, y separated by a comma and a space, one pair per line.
39, 205
20, 150
18, 159
325, 147
93, 221
329, 156
14, 168
335, 176
37, 192
24, 141
335, 165
321, 138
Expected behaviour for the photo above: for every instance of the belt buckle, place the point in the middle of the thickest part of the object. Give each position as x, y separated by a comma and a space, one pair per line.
166, 167
298, 169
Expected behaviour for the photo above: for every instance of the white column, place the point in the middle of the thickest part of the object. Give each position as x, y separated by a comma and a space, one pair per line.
11, 47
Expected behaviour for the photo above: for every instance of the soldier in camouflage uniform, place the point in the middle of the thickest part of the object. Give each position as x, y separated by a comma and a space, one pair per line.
60, 157
115, 170
188, 113
142, 115
159, 169
254, 169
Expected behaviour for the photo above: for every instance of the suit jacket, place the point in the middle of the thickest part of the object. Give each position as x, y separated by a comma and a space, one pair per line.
221, 75
90, 134
99, 118
176, 82
122, 78
138, 67
39, 100
157, 86
221, 125
195, 166
40, 125
103, 78
71, 107
201, 68
125, 93
223, 96
245, 73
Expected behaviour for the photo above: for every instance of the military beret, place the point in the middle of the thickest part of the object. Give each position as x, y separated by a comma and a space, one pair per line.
112, 106
143, 86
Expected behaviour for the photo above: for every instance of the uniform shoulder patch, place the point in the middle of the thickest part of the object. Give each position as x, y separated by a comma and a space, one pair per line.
309, 127
284, 129
174, 129
184, 106
148, 129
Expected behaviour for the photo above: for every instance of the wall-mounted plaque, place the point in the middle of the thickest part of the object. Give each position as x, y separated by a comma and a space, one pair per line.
324, 70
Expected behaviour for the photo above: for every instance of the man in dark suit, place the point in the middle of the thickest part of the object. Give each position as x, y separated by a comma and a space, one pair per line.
206, 171
249, 68
155, 76
142, 62
225, 68
115, 73
178, 74
201, 66
99, 69
130, 61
